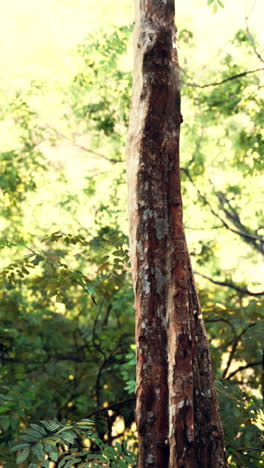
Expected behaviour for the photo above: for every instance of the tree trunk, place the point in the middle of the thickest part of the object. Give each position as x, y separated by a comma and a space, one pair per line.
177, 410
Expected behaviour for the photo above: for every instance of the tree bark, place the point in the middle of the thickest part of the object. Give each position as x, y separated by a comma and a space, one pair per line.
177, 410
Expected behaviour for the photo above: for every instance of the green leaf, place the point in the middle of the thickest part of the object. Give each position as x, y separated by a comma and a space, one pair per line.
220, 4
86, 421
85, 425
101, 458
52, 440
129, 458
32, 433
69, 437
61, 463
118, 447
22, 456
121, 463
39, 429
33, 465
46, 464
65, 428
119, 253
66, 458
98, 442
6, 397
48, 447
38, 451
90, 289
54, 455
50, 425
18, 447
29, 438
109, 451
70, 462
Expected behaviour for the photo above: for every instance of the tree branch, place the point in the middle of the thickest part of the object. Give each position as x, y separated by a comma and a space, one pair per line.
254, 239
241, 368
217, 83
252, 41
246, 235
234, 347
83, 148
231, 285
111, 406
222, 320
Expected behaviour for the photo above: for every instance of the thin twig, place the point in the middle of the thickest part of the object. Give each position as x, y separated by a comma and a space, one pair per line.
84, 148
111, 406
222, 320
252, 41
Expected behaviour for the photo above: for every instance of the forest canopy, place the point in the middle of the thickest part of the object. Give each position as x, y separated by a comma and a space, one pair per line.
66, 299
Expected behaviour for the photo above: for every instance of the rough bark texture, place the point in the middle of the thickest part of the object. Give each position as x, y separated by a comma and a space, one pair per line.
177, 410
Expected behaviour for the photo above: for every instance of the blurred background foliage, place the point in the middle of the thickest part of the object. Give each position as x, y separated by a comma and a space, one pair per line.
66, 301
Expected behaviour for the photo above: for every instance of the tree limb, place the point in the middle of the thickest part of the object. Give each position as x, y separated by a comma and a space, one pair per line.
253, 43
111, 406
246, 235
234, 347
217, 83
254, 239
241, 368
83, 148
231, 285
222, 320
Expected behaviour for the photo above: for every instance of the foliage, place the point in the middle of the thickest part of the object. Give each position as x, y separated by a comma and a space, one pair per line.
70, 352
19, 166
104, 114
215, 4
223, 178
128, 371
62, 443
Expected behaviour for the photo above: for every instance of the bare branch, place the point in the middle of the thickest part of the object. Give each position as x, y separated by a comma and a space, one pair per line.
190, 228
222, 320
217, 83
234, 347
84, 148
241, 368
244, 451
231, 285
112, 406
246, 235
253, 42
256, 240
